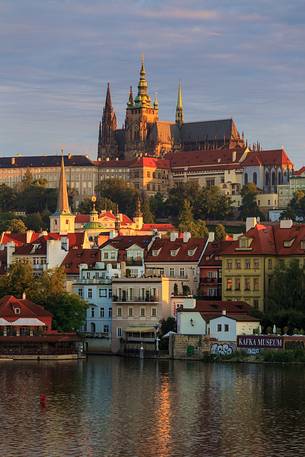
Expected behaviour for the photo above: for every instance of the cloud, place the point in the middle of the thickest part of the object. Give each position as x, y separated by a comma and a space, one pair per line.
184, 14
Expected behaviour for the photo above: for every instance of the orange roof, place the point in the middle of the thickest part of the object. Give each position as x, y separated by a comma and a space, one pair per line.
165, 250
219, 158
77, 256
268, 157
300, 172
27, 308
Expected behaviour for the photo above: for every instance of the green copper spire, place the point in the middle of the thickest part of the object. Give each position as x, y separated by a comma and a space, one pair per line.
179, 107
142, 100
130, 99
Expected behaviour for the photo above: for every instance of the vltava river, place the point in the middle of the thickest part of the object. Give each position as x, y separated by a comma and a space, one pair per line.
109, 406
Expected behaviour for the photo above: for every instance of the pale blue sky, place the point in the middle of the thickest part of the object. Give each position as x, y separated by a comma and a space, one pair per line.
235, 58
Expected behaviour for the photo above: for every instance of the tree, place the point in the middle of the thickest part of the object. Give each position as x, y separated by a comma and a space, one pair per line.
102, 203
47, 290
186, 219
34, 222
211, 203
124, 194
8, 198
296, 207
220, 232
287, 287
249, 207
148, 216
199, 229
17, 226
158, 205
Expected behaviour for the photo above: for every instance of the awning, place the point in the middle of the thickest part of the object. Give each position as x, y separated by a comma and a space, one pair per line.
140, 329
25, 321
4, 321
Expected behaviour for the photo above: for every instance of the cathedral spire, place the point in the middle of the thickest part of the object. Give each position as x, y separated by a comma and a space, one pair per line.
62, 199
179, 107
142, 100
130, 99
106, 143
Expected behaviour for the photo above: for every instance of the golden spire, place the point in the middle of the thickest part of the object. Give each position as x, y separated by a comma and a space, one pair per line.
62, 199
179, 107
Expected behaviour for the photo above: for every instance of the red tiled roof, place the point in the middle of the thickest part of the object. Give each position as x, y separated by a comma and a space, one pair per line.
190, 251
124, 242
268, 157
262, 242
18, 238
39, 246
77, 256
212, 253
300, 172
159, 227
214, 158
27, 308
294, 236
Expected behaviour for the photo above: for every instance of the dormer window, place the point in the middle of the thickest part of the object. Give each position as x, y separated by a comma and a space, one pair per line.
288, 243
155, 253
303, 244
174, 252
191, 252
17, 310
244, 243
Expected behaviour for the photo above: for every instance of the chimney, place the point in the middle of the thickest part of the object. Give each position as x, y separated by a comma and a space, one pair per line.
233, 156
186, 236
23, 296
286, 224
13, 160
29, 234
250, 223
224, 312
173, 236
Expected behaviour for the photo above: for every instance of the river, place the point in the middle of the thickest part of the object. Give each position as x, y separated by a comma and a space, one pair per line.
115, 407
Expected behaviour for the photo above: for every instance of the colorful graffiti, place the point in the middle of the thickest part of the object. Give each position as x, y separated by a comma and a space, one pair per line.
222, 348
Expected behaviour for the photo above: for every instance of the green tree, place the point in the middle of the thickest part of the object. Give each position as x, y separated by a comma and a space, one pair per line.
19, 279
148, 216
17, 226
211, 203
102, 203
120, 192
186, 219
220, 232
296, 207
69, 311
34, 222
249, 207
199, 229
8, 198
158, 205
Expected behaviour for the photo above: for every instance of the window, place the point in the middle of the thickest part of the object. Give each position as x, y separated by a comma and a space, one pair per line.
142, 312
130, 312
106, 328
256, 284
246, 178
255, 303
238, 264
172, 272
154, 312
110, 293
226, 327
247, 284
229, 264
219, 327
88, 274
269, 264
212, 292
89, 293
119, 312
80, 292
119, 332
182, 272
92, 312
255, 178
102, 292
110, 312
256, 263
17, 310
247, 264
229, 284
237, 283
102, 312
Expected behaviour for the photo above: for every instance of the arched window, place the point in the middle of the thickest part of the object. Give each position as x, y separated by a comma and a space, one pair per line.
246, 178
280, 179
267, 178
255, 178
273, 178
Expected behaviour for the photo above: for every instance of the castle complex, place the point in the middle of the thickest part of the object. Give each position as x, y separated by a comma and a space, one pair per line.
144, 133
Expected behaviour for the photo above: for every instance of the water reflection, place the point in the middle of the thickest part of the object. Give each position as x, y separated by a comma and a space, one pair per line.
113, 407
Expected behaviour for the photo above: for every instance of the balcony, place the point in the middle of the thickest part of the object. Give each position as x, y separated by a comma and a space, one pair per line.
149, 299
210, 280
134, 262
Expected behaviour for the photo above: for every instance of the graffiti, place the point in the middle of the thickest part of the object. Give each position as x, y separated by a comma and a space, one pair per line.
222, 348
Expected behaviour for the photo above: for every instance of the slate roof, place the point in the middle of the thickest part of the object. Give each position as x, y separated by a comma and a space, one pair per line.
45, 161
208, 130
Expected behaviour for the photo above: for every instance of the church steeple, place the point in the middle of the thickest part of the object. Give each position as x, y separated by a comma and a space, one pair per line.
107, 146
179, 107
62, 199
62, 221
130, 99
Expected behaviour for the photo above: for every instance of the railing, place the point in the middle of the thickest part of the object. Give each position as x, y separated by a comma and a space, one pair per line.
134, 262
151, 299
95, 334
210, 280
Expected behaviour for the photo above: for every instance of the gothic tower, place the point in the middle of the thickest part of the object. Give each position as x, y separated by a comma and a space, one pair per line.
179, 107
107, 146
140, 114
62, 221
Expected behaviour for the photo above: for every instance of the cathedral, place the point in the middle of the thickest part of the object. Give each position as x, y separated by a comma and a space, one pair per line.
144, 134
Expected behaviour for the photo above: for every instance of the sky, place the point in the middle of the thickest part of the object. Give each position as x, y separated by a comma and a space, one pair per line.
235, 58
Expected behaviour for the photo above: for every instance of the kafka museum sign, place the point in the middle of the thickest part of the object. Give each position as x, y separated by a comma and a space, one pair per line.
260, 342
